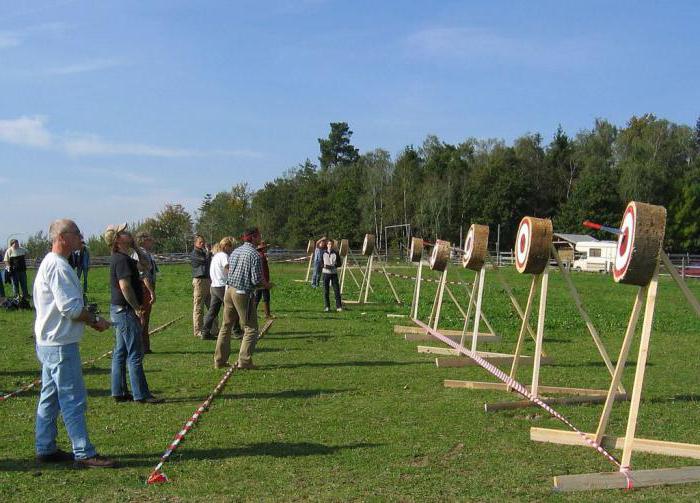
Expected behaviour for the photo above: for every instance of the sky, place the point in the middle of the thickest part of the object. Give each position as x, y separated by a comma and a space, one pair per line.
111, 109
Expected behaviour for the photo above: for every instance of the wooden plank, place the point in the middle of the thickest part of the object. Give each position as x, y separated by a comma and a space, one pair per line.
416, 291
477, 313
440, 350
568, 400
525, 323
439, 298
499, 386
408, 329
616, 480
426, 337
640, 368
494, 360
663, 447
540, 331
391, 285
469, 308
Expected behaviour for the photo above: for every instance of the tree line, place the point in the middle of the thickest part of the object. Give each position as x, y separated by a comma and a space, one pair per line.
441, 188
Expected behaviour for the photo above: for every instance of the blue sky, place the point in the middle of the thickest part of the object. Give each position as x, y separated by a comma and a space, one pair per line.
110, 109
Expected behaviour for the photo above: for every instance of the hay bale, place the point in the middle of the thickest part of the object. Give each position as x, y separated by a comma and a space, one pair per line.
475, 247
637, 254
344, 248
416, 251
311, 245
368, 245
532, 245
440, 256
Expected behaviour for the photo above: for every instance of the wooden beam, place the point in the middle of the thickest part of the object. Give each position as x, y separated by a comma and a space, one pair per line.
453, 352
568, 400
426, 337
407, 329
692, 300
547, 390
616, 480
494, 360
611, 442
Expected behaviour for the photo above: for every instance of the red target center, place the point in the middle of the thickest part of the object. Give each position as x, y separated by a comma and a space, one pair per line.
523, 241
623, 243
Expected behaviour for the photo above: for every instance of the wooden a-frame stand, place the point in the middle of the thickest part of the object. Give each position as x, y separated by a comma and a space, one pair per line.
577, 395
346, 268
646, 296
366, 285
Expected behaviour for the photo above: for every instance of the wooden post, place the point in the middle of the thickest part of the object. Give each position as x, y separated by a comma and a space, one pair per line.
640, 368
441, 293
477, 313
416, 291
308, 269
469, 309
370, 261
342, 275
620, 367
526, 320
391, 285
540, 330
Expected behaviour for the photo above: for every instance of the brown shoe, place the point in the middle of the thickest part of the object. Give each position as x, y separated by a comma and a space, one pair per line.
246, 366
96, 461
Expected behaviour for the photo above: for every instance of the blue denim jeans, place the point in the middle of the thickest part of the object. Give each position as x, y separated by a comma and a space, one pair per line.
62, 390
128, 351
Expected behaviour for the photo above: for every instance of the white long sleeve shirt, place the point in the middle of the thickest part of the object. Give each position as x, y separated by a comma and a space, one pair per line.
216, 269
58, 300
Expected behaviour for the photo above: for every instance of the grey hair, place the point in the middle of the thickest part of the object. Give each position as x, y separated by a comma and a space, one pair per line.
61, 226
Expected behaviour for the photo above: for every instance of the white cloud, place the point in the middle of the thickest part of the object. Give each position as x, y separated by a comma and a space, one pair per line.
86, 66
120, 174
8, 39
81, 145
26, 131
487, 45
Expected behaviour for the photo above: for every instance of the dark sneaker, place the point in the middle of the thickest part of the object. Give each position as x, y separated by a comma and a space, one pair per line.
147, 352
96, 461
151, 399
55, 457
246, 366
123, 398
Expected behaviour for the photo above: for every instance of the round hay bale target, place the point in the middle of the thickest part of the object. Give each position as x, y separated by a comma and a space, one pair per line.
368, 245
310, 246
476, 247
416, 251
532, 245
440, 256
344, 248
642, 234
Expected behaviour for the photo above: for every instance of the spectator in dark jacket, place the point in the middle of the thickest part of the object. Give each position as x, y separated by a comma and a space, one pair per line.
331, 261
201, 296
264, 293
16, 264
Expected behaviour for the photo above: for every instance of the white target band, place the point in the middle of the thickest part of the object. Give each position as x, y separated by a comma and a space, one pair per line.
625, 242
469, 246
522, 243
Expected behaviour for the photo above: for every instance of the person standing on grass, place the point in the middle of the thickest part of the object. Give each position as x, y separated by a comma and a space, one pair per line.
201, 284
245, 274
217, 273
127, 304
263, 293
331, 262
60, 321
318, 261
145, 242
80, 260
16, 263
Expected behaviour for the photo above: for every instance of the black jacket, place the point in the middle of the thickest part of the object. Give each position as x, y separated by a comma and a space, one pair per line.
201, 259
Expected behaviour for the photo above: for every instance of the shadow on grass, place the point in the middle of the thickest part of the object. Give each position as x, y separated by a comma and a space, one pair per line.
272, 449
293, 393
348, 364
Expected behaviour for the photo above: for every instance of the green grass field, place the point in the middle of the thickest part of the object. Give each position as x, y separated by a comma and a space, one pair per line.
341, 408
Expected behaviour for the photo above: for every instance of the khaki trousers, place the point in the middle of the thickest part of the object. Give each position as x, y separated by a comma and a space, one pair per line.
243, 307
200, 305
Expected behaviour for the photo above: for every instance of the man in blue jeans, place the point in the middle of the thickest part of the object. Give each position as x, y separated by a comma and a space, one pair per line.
60, 321
125, 310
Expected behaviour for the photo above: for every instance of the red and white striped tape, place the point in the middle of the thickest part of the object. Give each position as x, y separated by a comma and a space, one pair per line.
522, 390
429, 280
157, 476
28, 386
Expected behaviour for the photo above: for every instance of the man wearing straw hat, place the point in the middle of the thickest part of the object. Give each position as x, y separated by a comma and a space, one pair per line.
245, 274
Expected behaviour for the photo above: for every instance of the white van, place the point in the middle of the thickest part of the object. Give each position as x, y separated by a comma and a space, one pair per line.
594, 256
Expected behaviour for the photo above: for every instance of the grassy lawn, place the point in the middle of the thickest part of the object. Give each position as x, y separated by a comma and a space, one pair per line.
341, 408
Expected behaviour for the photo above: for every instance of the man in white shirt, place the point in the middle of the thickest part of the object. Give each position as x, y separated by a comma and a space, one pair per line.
218, 271
60, 321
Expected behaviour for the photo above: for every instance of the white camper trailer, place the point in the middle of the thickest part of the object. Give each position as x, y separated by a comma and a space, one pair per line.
594, 256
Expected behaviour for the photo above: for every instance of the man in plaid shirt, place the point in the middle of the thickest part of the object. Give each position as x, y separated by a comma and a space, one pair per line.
245, 274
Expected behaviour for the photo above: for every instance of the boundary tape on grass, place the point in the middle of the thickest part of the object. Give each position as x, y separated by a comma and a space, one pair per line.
36, 382
522, 390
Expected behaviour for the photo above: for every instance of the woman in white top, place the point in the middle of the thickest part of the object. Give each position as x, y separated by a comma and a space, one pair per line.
218, 271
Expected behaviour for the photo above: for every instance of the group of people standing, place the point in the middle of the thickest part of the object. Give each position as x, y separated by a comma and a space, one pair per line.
326, 261
237, 279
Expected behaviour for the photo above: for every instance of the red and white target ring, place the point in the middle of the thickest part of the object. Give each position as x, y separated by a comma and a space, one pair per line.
468, 246
523, 241
625, 243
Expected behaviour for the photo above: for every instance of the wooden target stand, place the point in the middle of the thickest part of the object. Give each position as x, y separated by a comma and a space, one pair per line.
475, 256
533, 250
637, 262
310, 249
368, 251
438, 262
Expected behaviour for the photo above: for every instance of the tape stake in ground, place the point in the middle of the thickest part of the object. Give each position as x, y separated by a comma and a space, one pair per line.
522, 390
157, 476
